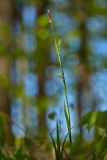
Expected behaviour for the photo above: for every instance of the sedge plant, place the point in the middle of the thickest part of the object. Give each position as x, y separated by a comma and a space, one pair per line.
58, 146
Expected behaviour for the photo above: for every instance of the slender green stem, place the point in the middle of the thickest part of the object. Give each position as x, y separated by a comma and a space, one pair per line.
60, 63
66, 110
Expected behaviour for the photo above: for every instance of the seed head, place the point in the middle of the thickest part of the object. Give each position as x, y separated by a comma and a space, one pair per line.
59, 43
49, 16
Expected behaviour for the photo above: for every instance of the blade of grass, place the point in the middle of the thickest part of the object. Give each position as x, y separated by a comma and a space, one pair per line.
59, 58
57, 145
66, 112
54, 145
63, 145
67, 117
58, 141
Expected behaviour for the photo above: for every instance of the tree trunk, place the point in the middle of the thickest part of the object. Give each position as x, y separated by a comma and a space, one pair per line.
83, 67
43, 62
5, 64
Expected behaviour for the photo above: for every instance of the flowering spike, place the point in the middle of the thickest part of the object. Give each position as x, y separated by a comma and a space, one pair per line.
49, 16
59, 43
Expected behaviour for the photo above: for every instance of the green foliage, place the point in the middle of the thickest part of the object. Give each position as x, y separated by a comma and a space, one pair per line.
95, 119
4, 82
89, 119
21, 153
2, 124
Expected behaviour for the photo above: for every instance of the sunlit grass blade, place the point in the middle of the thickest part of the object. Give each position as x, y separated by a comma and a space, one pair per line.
57, 47
61, 66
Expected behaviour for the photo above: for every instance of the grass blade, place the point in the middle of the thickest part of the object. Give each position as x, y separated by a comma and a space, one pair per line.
67, 117
58, 141
54, 145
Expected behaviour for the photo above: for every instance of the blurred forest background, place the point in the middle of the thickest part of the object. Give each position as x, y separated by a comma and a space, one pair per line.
31, 90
